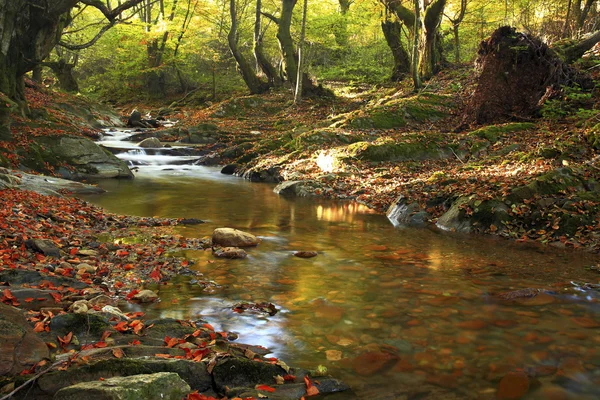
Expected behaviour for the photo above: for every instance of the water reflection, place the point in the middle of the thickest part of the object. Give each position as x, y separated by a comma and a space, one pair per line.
425, 301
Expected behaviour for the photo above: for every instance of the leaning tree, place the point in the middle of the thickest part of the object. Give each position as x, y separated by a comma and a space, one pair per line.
29, 30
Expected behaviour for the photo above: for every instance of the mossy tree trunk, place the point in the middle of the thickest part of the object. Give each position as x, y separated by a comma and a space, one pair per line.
29, 30
252, 81
64, 73
430, 50
431, 53
391, 32
286, 43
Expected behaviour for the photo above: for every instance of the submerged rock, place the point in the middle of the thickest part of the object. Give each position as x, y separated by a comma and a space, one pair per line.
230, 252
229, 237
159, 386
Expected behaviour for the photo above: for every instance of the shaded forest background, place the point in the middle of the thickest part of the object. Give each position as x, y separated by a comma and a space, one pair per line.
172, 48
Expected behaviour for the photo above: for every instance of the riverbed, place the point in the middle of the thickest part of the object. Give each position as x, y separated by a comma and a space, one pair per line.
396, 313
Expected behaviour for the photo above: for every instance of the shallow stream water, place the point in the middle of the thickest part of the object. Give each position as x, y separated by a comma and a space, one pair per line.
396, 313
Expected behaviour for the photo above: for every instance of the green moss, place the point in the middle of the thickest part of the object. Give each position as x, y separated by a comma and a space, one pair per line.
392, 151
379, 120
493, 132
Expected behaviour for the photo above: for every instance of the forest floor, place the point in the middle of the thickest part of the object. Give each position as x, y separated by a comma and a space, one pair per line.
534, 180
531, 180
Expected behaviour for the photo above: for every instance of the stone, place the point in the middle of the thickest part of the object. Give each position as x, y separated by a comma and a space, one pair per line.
333, 355
295, 188
46, 185
372, 362
87, 158
229, 169
401, 213
20, 346
46, 247
229, 237
159, 386
82, 325
150, 143
514, 385
194, 373
146, 296
242, 372
230, 252
79, 307
305, 254
85, 268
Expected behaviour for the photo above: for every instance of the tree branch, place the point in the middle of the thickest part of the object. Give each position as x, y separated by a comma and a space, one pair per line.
74, 47
271, 17
111, 15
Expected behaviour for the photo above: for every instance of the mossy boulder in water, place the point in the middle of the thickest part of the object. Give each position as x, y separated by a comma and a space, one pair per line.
86, 158
159, 386
244, 373
469, 214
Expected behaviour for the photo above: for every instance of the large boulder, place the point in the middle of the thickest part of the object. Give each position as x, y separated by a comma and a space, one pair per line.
194, 373
87, 158
229, 237
20, 347
159, 386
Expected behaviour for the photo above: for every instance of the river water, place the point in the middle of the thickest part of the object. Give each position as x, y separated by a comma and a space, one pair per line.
396, 313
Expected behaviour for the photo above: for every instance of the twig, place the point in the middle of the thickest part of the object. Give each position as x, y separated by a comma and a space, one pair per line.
453, 152
8, 396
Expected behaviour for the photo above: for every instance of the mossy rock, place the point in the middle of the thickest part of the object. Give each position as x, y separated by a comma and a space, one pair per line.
241, 372
379, 120
194, 373
593, 137
87, 158
238, 107
393, 151
492, 133
483, 214
159, 386
319, 138
551, 183
82, 325
167, 327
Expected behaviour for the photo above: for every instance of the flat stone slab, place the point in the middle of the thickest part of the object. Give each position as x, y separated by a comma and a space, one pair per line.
159, 386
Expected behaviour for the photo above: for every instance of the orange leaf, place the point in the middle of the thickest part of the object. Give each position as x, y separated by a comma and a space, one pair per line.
209, 326
118, 353
265, 388
39, 327
29, 300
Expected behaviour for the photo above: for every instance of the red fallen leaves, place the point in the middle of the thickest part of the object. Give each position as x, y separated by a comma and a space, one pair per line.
311, 390
265, 388
56, 296
9, 298
64, 341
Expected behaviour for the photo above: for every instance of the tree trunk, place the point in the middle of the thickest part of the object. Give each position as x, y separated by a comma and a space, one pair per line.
261, 60
431, 47
418, 27
252, 81
391, 32
301, 56
286, 43
64, 73
36, 74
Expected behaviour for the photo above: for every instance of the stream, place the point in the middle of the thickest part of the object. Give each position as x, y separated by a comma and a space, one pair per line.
395, 313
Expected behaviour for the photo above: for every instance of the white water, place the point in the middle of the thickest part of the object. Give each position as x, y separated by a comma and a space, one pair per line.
136, 156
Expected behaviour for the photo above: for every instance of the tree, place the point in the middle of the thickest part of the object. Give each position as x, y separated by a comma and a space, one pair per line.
29, 30
430, 48
392, 30
456, 20
261, 60
252, 81
301, 56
